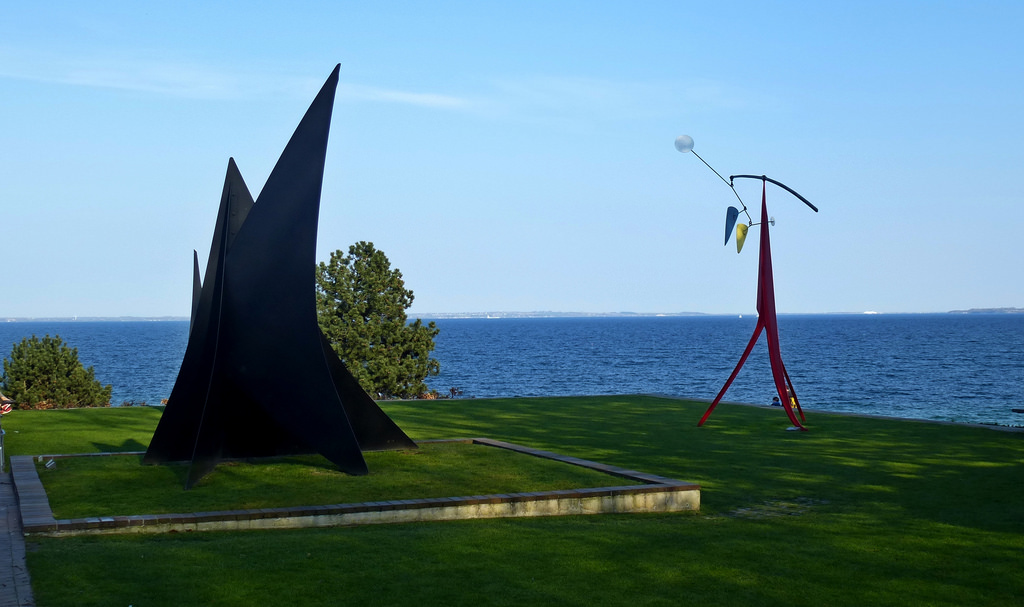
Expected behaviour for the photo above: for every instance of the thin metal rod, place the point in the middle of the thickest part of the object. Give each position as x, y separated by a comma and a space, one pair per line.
711, 167
778, 183
728, 183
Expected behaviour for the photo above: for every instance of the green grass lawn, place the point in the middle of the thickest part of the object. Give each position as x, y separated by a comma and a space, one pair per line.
855, 512
121, 485
80, 430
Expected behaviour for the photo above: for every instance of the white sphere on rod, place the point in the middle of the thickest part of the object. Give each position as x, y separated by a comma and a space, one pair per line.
684, 143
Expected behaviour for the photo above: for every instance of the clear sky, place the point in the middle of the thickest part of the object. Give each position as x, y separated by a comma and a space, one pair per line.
518, 156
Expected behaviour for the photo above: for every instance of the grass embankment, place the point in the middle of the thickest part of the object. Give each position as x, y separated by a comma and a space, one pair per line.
112, 486
855, 512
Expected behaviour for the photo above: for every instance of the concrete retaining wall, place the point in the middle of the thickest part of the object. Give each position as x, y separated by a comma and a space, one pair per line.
656, 494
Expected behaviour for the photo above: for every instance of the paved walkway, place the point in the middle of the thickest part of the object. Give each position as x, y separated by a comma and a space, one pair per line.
15, 588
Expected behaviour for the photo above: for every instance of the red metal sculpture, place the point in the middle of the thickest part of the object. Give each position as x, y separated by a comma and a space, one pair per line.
766, 321
766, 317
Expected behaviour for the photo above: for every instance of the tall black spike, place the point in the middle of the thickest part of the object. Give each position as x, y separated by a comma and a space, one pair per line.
175, 435
374, 430
197, 289
258, 377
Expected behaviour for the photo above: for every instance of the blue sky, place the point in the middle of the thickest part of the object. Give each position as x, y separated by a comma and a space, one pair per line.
519, 156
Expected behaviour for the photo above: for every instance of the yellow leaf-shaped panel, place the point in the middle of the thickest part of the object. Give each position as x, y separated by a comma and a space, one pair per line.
741, 236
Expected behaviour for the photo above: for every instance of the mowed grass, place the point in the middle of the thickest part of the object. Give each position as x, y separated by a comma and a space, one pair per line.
855, 512
121, 485
80, 430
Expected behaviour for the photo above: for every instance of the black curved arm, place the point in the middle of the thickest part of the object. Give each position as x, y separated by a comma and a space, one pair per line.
780, 184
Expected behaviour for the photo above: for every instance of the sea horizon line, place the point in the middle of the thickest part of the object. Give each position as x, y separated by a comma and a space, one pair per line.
515, 314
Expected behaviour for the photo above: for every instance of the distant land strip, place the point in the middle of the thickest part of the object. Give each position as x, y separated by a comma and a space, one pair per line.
94, 319
989, 311
447, 315
444, 315
538, 314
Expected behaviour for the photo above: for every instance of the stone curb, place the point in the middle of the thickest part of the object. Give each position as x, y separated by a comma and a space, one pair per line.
655, 494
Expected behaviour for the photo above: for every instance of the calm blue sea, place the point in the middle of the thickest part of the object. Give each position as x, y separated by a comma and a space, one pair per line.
964, 368
139, 359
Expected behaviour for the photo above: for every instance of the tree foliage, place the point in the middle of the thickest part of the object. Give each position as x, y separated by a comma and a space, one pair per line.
46, 374
361, 303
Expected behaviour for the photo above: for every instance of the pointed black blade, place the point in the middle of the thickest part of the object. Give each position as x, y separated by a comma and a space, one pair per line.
374, 430
175, 435
270, 301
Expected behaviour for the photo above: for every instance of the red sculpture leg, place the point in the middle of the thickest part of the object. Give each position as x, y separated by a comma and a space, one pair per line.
767, 320
779, 375
766, 313
735, 372
792, 393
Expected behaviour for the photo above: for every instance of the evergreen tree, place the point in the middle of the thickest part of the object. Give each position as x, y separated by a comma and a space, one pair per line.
361, 303
46, 374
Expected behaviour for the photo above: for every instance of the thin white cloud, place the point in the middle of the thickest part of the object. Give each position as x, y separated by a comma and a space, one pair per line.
360, 92
597, 97
534, 98
193, 81
129, 74
565, 99
175, 80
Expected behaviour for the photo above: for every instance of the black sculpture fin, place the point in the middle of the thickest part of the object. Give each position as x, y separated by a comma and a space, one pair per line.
270, 302
197, 289
239, 201
174, 438
374, 430
258, 377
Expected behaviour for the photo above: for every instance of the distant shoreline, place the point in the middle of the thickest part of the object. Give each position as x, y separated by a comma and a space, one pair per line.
457, 315
95, 319
538, 314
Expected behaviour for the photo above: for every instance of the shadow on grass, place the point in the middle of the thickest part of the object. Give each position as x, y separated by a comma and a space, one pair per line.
906, 513
127, 446
949, 474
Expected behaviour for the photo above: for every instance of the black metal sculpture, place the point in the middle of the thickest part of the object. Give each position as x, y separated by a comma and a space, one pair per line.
258, 377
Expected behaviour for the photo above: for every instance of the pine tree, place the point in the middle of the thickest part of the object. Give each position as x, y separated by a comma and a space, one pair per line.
361, 303
46, 374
